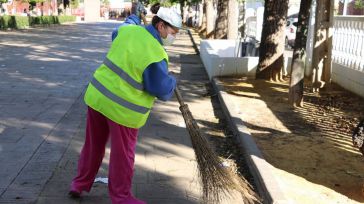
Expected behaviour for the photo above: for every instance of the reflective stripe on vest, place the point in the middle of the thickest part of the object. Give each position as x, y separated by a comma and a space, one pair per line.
120, 72
117, 99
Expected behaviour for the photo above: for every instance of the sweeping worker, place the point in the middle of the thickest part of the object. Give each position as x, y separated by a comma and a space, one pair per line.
120, 97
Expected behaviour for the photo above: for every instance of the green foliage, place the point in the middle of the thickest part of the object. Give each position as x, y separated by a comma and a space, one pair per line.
48, 20
44, 20
6, 22
359, 4
165, 3
64, 19
74, 3
105, 2
191, 2
13, 22
35, 1
25, 21
21, 21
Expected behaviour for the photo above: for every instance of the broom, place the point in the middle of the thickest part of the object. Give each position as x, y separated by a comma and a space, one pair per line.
217, 181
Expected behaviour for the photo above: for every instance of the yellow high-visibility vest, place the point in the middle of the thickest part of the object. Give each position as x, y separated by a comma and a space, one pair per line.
116, 90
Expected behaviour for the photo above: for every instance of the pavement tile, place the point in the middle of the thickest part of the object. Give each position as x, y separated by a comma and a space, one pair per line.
57, 200
140, 176
37, 93
10, 135
32, 178
56, 188
159, 190
95, 200
16, 201
170, 201
2, 190
19, 192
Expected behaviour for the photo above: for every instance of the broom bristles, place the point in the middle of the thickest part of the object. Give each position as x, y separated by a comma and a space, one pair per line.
217, 180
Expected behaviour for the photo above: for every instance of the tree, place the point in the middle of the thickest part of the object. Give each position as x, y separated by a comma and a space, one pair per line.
358, 4
210, 19
226, 25
233, 19
201, 13
74, 3
1, 4
105, 2
182, 4
299, 55
221, 20
272, 41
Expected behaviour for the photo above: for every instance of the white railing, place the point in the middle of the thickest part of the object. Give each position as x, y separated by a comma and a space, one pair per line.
348, 53
348, 42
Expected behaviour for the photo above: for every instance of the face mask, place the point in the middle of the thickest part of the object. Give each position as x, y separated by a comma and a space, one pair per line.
168, 40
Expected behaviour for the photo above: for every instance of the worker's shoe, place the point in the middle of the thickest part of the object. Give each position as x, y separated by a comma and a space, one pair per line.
74, 194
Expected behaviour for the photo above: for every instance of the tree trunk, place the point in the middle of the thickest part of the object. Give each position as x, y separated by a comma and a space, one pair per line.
233, 19
204, 21
202, 28
210, 19
182, 6
241, 17
221, 20
272, 41
185, 15
299, 55
200, 14
41, 8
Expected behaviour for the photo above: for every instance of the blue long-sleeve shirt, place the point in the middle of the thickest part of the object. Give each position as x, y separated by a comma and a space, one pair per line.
156, 79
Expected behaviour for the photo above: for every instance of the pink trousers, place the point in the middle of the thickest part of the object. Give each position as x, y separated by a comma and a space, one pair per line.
121, 166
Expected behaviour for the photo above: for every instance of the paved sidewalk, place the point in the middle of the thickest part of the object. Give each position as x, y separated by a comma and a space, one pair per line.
43, 72
165, 168
165, 165
42, 118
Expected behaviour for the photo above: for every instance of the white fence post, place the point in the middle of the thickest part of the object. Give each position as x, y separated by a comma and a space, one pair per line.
348, 53
348, 41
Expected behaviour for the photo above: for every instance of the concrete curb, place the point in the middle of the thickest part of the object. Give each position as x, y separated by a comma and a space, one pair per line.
261, 170
193, 42
268, 188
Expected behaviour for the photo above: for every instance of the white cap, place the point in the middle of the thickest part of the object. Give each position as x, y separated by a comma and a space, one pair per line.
170, 16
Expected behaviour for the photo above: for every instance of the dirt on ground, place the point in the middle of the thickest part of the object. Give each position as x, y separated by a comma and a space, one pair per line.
310, 147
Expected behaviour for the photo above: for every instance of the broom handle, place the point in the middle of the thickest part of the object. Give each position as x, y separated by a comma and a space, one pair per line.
178, 93
179, 96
